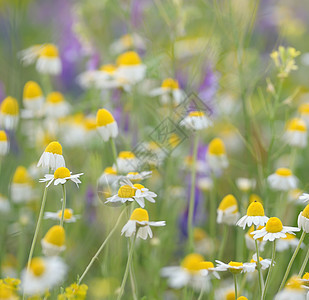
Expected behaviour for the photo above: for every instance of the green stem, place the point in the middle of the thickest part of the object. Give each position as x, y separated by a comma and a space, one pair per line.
212, 207
235, 284
224, 239
261, 283
125, 276
270, 269
94, 258
200, 297
303, 266
192, 194
292, 260
114, 150
63, 204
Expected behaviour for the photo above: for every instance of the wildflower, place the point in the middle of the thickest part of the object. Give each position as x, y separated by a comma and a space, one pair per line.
130, 68
290, 241
304, 197
44, 273
56, 106
127, 42
108, 182
127, 162
235, 267
61, 175
196, 120
273, 230
192, 271
255, 215
4, 144
303, 219
28, 56
205, 184
250, 243
139, 224
74, 291
125, 194
105, 77
294, 196
293, 289
143, 193
106, 125
33, 98
48, 61
296, 133
7, 293
21, 187
137, 177
265, 263
5, 206
305, 279
228, 210
53, 242
245, 184
69, 216
52, 156
216, 155
303, 110
9, 111
282, 180
202, 243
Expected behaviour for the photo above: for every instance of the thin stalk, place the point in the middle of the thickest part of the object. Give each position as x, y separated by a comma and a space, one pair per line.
114, 150
235, 285
261, 283
223, 243
212, 207
102, 246
200, 297
292, 260
270, 269
126, 272
192, 194
63, 204
303, 266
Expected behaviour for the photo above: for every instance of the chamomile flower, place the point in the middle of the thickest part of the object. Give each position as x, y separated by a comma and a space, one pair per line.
130, 68
137, 177
265, 263
205, 184
127, 162
305, 279
52, 157
56, 106
33, 98
139, 224
127, 42
303, 110
216, 155
48, 61
105, 77
282, 180
303, 219
193, 271
108, 177
61, 176
29, 56
69, 216
53, 242
250, 243
44, 273
245, 184
106, 125
21, 187
196, 120
273, 230
227, 212
7, 291
9, 111
203, 244
294, 289
125, 194
169, 92
294, 196
5, 206
143, 193
304, 197
4, 143
235, 267
255, 215
296, 133
290, 241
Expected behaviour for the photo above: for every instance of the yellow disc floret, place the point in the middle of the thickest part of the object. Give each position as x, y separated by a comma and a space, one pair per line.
205, 265
126, 155
129, 58
305, 212
284, 172
303, 109
196, 114
140, 215
255, 209
170, 83
37, 266
55, 236
294, 283
62, 172
3, 137
199, 234
104, 117
32, 90
192, 262
127, 40
242, 298
296, 125
255, 197
110, 171
54, 147
67, 214
6, 292
9, 106
227, 202
216, 147
306, 276
21, 175
138, 186
126, 191
55, 98
274, 225
110, 69
50, 51
230, 295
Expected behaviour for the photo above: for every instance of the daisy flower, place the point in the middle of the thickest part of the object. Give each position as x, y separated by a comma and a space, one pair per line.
304, 197
250, 243
69, 216
205, 184
235, 267
245, 184
227, 212
4, 144
52, 157
216, 155
56, 106
137, 177
127, 162
106, 125
296, 133
104, 78
255, 198
294, 196
29, 56
293, 289
48, 61
196, 120
44, 273
273, 230
127, 42
290, 241
305, 279
193, 271
125, 194
282, 180
61, 175
109, 176
130, 69
303, 110
303, 219
139, 224
33, 98
21, 187
5, 206
255, 215
202, 243
265, 263
9, 111
53, 242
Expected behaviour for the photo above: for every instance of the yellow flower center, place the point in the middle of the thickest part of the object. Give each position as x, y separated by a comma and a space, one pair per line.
216, 147
304, 109
9, 106
54, 98
297, 125
305, 212
228, 201
196, 114
192, 262
284, 172
54, 147
255, 197
199, 234
110, 171
37, 266
32, 90
67, 214
21, 175
242, 298
6, 292
306, 276
50, 51
104, 117
205, 265
235, 264
289, 236
62, 172
126, 155
274, 225
230, 295
90, 124
127, 40
253, 261
294, 283
174, 140
55, 236
110, 69
126, 191
139, 214
170, 83
252, 229
129, 58
3, 137
255, 209
138, 186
